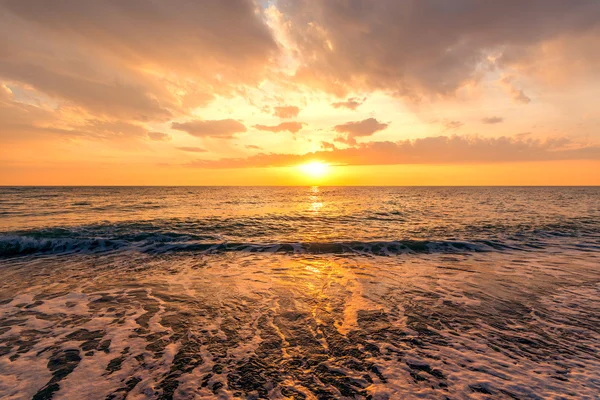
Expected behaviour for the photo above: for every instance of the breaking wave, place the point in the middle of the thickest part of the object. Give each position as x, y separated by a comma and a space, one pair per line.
62, 241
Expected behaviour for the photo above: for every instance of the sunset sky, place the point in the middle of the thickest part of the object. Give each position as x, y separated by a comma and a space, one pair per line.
242, 92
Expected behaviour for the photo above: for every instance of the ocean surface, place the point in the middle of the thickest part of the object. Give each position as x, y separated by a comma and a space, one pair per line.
299, 293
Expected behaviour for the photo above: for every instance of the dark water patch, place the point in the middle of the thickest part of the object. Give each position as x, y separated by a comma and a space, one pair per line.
61, 364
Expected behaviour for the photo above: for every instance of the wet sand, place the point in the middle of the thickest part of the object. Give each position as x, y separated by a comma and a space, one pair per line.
513, 325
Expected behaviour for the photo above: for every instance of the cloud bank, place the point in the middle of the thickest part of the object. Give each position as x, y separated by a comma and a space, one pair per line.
431, 150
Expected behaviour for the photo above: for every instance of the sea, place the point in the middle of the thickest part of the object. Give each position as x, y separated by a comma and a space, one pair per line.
299, 293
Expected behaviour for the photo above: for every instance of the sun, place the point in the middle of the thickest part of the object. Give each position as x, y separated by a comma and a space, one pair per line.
315, 169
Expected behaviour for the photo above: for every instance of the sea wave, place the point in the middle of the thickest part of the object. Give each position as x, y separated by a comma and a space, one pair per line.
260, 235
11, 246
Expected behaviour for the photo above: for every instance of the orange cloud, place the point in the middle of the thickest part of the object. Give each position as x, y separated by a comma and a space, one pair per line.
356, 129
517, 94
450, 125
192, 149
293, 127
221, 129
286, 112
351, 103
159, 136
492, 120
431, 150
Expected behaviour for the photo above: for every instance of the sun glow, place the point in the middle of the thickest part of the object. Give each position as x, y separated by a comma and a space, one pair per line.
315, 169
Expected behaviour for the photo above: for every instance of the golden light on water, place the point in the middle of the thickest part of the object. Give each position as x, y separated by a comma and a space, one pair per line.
315, 169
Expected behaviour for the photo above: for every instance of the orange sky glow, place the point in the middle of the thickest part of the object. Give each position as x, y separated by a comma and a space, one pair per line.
299, 92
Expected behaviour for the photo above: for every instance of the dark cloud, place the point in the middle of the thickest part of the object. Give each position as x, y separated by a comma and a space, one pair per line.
253, 147
222, 129
286, 111
492, 120
293, 127
432, 48
192, 149
430, 150
352, 103
356, 129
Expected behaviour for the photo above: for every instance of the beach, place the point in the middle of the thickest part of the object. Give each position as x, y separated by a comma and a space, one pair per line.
300, 293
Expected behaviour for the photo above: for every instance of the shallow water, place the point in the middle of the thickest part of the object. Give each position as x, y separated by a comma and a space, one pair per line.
300, 293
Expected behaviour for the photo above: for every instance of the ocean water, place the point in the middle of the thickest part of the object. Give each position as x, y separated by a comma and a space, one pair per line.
299, 293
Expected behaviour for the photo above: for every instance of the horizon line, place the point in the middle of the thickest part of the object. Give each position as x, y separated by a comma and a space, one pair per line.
290, 186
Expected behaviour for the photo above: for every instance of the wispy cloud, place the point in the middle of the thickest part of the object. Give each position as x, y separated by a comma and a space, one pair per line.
192, 149
492, 120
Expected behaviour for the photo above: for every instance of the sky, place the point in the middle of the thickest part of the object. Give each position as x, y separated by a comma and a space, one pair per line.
248, 92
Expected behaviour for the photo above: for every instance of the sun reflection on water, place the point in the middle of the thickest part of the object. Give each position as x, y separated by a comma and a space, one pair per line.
315, 200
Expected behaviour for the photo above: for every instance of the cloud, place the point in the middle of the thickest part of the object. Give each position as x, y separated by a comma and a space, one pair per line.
105, 99
431, 49
5, 92
351, 104
515, 93
159, 136
520, 96
356, 129
430, 150
21, 121
286, 112
253, 147
293, 127
492, 120
221, 129
138, 59
450, 125
192, 149
328, 146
